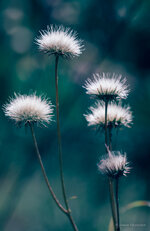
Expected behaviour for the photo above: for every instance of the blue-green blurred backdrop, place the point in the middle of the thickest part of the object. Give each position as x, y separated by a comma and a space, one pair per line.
116, 35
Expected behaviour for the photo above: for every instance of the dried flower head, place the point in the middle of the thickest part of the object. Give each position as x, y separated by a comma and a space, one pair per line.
114, 165
107, 86
24, 109
60, 41
117, 115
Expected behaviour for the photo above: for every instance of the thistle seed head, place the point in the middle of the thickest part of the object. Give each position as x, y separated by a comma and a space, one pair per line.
107, 87
24, 109
117, 116
60, 41
114, 165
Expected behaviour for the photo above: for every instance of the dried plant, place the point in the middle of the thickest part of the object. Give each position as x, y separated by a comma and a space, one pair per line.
60, 42
106, 115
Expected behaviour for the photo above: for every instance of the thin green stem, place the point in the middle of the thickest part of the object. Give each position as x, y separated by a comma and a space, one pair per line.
106, 107
111, 191
59, 135
60, 149
117, 204
112, 202
110, 138
117, 132
44, 172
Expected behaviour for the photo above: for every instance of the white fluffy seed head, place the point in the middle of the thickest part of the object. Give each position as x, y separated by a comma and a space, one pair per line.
60, 41
107, 86
117, 116
114, 165
24, 109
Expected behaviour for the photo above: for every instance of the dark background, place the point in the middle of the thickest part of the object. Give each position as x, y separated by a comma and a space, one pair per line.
116, 36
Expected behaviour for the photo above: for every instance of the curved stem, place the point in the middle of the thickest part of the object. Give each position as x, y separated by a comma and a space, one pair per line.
60, 149
112, 202
44, 172
117, 204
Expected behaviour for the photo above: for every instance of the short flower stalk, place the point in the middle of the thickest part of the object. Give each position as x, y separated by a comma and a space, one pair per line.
106, 107
28, 110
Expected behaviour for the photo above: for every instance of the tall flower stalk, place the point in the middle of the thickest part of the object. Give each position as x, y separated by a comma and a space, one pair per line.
60, 149
107, 114
60, 42
59, 134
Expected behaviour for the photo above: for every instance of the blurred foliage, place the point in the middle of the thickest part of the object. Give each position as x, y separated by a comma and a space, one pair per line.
133, 205
117, 39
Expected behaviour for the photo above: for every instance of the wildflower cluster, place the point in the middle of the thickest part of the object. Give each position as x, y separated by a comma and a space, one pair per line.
30, 109
108, 113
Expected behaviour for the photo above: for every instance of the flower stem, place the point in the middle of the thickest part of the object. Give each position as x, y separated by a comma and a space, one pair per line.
60, 149
116, 143
117, 204
111, 190
110, 138
106, 106
112, 202
59, 135
44, 172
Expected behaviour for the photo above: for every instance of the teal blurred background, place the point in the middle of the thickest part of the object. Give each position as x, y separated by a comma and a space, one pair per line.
116, 36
